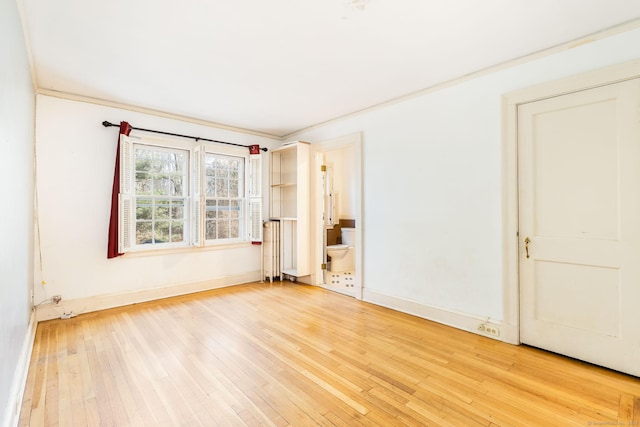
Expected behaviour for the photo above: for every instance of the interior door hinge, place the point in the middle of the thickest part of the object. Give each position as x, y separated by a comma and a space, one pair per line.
323, 266
323, 168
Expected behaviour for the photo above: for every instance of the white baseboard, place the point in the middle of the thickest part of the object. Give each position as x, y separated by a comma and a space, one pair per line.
458, 320
103, 302
16, 393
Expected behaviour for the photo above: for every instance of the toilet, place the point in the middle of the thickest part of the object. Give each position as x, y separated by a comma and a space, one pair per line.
343, 256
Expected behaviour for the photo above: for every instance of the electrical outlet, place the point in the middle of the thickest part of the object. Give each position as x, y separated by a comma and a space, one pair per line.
489, 329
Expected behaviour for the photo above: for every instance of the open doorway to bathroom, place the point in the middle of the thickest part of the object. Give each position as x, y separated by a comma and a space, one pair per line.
337, 209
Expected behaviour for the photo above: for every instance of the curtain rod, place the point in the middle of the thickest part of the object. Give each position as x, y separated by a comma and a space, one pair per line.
250, 147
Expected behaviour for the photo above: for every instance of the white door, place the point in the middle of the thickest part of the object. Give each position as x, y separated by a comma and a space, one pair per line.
579, 190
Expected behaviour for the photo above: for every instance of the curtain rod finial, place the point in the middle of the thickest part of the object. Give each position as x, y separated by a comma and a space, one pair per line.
106, 124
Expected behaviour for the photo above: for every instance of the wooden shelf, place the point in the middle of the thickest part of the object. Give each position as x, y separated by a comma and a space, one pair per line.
289, 202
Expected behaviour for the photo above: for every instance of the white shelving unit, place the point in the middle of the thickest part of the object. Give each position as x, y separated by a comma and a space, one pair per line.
289, 204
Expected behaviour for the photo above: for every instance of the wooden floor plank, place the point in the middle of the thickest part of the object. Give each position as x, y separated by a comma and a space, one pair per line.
285, 354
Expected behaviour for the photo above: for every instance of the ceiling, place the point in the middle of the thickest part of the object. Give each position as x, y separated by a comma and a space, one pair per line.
278, 66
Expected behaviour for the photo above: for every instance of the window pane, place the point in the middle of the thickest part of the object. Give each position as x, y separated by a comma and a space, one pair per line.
177, 210
222, 189
223, 209
211, 209
224, 180
157, 163
234, 209
162, 209
161, 232
162, 185
144, 209
223, 229
211, 187
179, 162
160, 173
143, 233
143, 160
234, 188
222, 173
143, 183
211, 230
177, 231
175, 185
210, 161
234, 229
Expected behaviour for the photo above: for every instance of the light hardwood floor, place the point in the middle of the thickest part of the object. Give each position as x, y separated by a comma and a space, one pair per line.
294, 355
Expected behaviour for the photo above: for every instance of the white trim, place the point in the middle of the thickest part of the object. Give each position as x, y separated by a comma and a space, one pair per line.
510, 103
151, 112
184, 250
18, 385
455, 319
103, 302
510, 273
244, 199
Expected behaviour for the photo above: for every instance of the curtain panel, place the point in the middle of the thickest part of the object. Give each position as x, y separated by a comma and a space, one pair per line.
112, 249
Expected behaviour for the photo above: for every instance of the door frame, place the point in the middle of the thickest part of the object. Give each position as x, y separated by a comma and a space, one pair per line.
510, 198
317, 223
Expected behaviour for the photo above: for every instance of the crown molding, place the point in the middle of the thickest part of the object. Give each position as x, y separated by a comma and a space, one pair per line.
152, 112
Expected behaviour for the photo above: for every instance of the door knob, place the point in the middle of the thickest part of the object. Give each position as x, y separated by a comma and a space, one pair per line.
526, 245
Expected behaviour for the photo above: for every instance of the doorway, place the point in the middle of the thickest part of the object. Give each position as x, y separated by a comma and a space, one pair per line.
577, 153
337, 215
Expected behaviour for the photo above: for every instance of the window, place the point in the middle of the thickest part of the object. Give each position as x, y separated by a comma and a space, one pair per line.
187, 195
161, 194
224, 199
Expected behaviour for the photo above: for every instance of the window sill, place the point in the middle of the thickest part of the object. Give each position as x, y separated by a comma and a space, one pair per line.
184, 250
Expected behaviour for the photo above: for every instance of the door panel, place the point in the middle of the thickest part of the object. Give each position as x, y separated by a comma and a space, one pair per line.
579, 196
597, 310
583, 204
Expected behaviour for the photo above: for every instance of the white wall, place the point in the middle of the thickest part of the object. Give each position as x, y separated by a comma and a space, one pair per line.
432, 184
16, 195
344, 180
75, 173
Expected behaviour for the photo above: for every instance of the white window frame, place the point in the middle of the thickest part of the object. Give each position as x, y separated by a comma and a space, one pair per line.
185, 197
200, 182
194, 226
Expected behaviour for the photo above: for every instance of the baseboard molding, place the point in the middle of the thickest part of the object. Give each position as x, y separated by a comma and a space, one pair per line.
455, 319
103, 302
16, 393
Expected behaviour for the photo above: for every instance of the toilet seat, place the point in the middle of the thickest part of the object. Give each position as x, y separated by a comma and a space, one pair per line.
337, 247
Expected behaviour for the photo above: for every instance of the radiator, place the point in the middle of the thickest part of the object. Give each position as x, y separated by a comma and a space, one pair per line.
271, 247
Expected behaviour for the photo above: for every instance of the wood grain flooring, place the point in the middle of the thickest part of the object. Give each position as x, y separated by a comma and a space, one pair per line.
291, 355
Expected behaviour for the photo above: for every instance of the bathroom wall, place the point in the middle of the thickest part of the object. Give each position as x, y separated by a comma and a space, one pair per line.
344, 180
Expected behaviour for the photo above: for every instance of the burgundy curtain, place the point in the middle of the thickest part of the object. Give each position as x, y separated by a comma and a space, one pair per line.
112, 250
